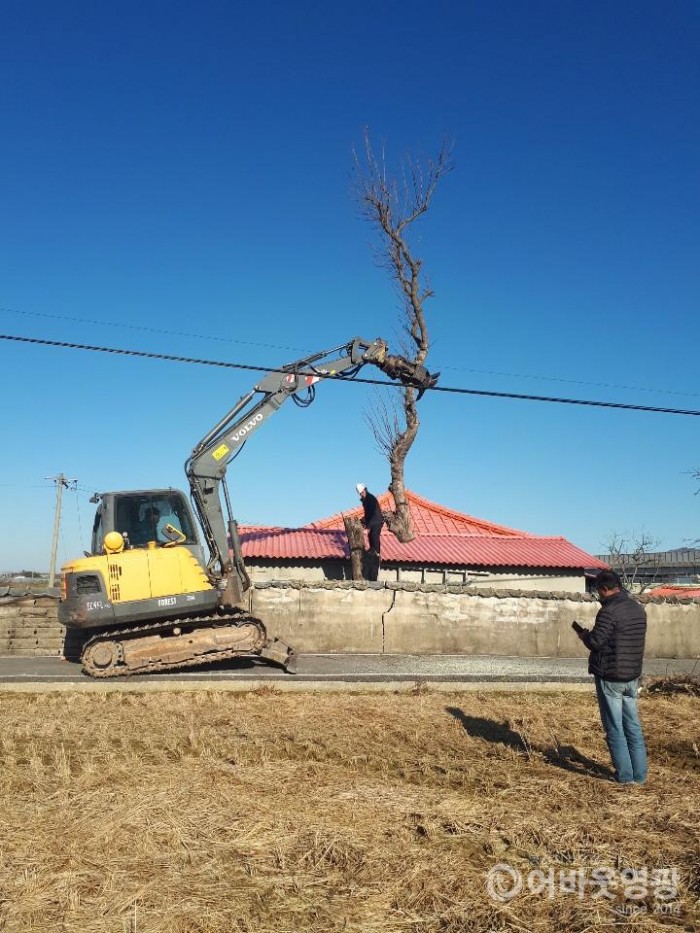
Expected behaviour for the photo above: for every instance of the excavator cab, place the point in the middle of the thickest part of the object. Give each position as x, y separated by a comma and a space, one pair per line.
143, 516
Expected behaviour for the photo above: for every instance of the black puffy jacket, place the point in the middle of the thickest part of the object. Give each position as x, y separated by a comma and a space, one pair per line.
616, 641
373, 517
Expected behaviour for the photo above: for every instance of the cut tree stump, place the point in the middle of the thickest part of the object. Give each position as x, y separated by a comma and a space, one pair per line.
356, 543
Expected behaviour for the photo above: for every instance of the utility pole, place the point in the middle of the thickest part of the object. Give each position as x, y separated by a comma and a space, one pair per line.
60, 481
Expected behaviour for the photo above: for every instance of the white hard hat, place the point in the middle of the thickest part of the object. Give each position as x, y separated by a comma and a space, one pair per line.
360, 487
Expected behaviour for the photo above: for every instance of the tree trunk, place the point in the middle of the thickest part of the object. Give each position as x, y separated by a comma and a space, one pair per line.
399, 522
356, 543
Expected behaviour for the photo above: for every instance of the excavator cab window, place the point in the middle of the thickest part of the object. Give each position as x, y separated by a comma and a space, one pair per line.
171, 510
143, 517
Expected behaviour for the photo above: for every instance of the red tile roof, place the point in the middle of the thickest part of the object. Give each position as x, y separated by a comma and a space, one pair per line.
428, 518
683, 592
443, 536
293, 543
445, 550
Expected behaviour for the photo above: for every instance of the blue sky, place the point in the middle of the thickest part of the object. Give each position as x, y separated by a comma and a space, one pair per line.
175, 178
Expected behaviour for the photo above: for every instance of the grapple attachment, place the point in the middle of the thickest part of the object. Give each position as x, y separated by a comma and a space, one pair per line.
410, 374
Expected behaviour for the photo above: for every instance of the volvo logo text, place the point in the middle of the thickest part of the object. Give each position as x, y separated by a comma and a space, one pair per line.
247, 428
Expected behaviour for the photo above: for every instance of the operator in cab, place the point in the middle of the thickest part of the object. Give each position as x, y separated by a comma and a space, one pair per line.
147, 528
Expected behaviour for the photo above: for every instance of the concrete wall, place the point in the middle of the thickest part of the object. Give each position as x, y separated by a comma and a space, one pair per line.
399, 618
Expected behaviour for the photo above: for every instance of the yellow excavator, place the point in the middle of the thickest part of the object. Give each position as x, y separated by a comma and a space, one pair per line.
148, 597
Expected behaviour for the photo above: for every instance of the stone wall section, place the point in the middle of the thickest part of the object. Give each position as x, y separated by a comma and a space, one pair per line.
395, 618
28, 624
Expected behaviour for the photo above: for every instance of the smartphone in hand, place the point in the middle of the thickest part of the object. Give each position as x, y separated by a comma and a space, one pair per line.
577, 628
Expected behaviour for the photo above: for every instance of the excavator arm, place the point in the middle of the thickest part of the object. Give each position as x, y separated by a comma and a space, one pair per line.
207, 464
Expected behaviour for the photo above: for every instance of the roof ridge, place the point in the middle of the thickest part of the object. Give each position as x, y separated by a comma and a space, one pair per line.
461, 516
386, 499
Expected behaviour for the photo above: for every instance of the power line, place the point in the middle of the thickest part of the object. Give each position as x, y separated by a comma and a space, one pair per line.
77, 508
377, 382
153, 330
276, 346
24, 486
577, 382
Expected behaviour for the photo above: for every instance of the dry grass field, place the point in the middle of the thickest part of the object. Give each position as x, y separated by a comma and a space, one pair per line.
219, 812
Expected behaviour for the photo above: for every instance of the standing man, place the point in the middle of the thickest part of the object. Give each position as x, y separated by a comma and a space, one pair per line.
373, 521
616, 643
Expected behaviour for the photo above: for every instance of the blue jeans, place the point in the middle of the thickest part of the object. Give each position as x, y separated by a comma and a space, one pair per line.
623, 730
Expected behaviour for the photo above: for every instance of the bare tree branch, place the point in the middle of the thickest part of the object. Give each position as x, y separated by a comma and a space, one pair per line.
696, 476
384, 420
630, 554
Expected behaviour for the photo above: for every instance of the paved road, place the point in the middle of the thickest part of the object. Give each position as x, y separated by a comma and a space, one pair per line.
334, 671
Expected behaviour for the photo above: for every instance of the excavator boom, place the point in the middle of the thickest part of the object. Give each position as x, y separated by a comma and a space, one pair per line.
206, 466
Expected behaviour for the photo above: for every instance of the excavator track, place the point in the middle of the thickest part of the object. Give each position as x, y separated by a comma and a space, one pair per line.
175, 644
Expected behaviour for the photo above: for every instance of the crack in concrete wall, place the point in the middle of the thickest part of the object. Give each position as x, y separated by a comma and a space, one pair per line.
384, 618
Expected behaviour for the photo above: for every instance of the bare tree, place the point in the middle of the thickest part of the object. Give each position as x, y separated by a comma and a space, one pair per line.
696, 476
392, 204
630, 555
